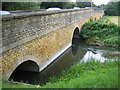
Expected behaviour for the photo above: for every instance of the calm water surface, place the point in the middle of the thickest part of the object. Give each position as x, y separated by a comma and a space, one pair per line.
79, 51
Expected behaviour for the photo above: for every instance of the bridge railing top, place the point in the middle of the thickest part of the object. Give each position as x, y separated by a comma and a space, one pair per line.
27, 13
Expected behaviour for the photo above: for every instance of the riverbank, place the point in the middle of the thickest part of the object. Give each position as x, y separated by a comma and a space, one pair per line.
81, 75
112, 19
101, 33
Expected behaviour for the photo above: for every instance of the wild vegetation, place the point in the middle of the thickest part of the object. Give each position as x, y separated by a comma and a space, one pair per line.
101, 33
111, 55
88, 74
113, 19
111, 9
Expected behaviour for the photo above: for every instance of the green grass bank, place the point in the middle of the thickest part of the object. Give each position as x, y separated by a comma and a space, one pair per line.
101, 32
88, 74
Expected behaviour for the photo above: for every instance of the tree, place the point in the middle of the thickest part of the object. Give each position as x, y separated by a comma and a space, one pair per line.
62, 5
112, 8
45, 5
66, 5
70, 5
85, 4
20, 5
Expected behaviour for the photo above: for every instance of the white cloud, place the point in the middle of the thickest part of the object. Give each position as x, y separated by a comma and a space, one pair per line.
73, 0
99, 2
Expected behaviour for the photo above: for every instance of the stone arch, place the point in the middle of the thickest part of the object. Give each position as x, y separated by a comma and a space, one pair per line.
76, 33
21, 60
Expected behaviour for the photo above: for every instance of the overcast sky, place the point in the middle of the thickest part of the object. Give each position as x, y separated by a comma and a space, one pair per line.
99, 2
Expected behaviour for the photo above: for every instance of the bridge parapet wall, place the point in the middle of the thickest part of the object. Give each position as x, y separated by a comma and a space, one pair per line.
19, 28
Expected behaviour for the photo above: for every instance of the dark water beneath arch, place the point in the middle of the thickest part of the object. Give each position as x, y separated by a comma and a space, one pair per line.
77, 52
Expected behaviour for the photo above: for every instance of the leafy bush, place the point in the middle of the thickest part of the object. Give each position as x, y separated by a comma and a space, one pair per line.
107, 32
91, 20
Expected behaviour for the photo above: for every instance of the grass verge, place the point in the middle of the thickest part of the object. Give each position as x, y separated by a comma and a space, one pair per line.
82, 75
112, 19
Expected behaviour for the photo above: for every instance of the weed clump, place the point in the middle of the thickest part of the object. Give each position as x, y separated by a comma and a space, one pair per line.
103, 30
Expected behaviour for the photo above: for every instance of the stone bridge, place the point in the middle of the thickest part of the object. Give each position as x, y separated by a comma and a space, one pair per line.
32, 40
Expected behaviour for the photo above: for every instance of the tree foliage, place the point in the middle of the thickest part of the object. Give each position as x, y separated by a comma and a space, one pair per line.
20, 5
62, 5
45, 5
112, 9
85, 4
9, 6
65, 5
105, 32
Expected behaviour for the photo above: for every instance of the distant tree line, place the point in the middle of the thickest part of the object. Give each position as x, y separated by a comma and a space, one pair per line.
65, 5
9, 6
42, 5
111, 9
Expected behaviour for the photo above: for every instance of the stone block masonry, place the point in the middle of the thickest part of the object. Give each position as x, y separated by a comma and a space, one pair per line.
39, 36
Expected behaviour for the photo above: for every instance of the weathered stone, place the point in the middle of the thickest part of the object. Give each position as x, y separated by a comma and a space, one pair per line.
40, 37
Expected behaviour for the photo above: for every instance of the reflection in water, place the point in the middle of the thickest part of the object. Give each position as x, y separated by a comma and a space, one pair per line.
78, 51
89, 55
68, 58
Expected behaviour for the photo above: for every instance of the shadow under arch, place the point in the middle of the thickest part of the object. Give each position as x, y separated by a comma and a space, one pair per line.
76, 35
24, 69
28, 66
20, 60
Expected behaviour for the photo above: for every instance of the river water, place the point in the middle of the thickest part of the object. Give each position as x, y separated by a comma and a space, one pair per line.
79, 51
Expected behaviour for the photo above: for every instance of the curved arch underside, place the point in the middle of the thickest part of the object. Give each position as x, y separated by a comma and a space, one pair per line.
25, 66
28, 66
28, 63
76, 33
